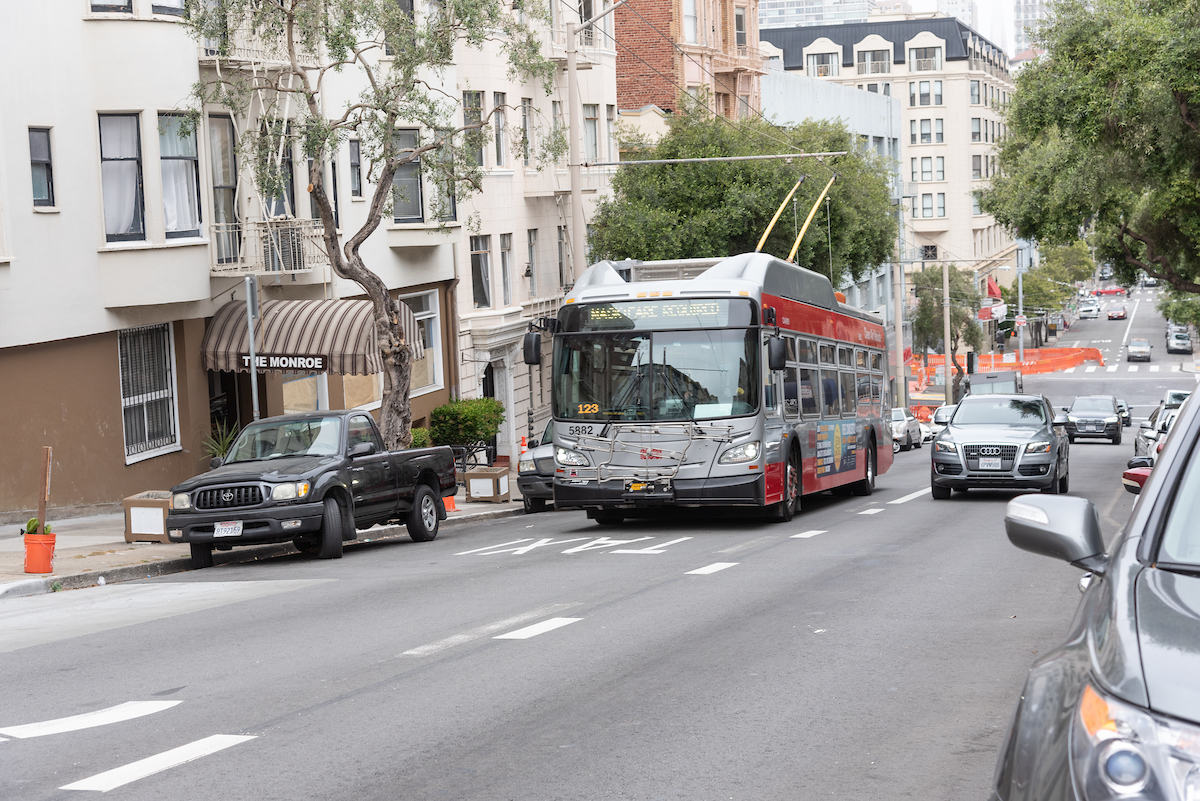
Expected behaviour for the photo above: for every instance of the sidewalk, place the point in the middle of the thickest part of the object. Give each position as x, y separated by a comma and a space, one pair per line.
91, 550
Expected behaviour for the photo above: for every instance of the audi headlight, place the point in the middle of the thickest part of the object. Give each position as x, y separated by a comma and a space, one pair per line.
1072, 418
945, 446
569, 458
1118, 750
747, 452
289, 492
180, 500
525, 466
1038, 447
1110, 419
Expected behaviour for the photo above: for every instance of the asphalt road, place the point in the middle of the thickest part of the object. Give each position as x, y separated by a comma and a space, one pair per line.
871, 648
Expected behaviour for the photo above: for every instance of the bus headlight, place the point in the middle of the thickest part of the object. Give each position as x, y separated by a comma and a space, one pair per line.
747, 452
569, 458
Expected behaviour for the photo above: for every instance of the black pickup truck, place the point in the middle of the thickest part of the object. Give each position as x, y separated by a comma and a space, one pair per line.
312, 478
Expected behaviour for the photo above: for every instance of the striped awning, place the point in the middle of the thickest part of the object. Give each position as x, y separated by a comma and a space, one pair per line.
343, 331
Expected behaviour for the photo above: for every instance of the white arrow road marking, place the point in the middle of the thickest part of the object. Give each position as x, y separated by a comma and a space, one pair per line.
713, 568
874, 511
112, 779
539, 628
603, 542
651, 548
88, 720
483, 631
912, 496
803, 535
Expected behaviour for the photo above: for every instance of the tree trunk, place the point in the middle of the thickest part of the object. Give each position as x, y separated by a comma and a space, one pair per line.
958, 376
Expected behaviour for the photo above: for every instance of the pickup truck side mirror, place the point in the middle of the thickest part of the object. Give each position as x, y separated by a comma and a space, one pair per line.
532, 347
216, 462
362, 449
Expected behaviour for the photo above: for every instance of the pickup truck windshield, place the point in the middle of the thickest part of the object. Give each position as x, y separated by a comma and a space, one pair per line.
316, 436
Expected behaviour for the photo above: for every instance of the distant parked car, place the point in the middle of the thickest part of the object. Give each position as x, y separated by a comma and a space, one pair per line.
1125, 411
535, 472
1111, 290
1179, 343
1117, 313
1153, 433
1089, 311
906, 430
1138, 350
941, 418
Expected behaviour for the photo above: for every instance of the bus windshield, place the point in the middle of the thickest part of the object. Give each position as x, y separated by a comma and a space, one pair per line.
660, 375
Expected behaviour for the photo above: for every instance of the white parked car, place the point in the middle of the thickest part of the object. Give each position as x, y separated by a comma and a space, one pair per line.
906, 430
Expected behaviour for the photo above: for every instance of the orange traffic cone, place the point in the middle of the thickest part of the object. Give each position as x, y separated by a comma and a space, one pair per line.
449, 502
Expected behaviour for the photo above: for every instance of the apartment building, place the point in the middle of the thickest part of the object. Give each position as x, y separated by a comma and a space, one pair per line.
965, 11
515, 264
125, 238
1027, 15
952, 84
704, 48
790, 13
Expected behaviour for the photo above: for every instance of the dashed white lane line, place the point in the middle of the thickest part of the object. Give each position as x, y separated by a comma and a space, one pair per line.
1069, 370
912, 496
112, 779
88, 720
874, 511
1090, 369
1112, 368
1154, 368
539, 628
803, 535
1133, 368
651, 548
713, 568
484, 631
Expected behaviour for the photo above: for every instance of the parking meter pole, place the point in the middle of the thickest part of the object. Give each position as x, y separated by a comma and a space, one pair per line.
946, 332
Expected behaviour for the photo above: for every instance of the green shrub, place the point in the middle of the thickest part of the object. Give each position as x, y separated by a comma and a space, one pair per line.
32, 527
420, 438
465, 421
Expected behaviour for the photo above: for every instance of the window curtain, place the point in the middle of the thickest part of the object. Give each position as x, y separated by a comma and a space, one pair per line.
122, 195
181, 193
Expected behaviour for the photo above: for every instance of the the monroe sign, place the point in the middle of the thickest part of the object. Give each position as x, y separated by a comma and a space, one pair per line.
292, 362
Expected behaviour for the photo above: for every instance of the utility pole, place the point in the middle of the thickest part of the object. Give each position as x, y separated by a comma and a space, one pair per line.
946, 330
578, 226
1020, 308
251, 313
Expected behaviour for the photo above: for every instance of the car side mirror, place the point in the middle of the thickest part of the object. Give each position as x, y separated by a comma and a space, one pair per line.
1135, 479
1139, 461
1066, 408
1060, 419
1062, 527
1146, 425
533, 443
362, 449
215, 462
776, 353
532, 347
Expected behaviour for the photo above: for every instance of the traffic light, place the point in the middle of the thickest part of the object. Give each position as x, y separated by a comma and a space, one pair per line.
971, 361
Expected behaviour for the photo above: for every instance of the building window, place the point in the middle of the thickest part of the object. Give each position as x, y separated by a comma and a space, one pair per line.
873, 88
41, 167
991, 166
406, 182
481, 277
873, 62
591, 132
924, 59
975, 135
173, 7
355, 168
498, 121
976, 167
743, 107
739, 26
282, 204
148, 391
927, 168
912, 93
940, 170
180, 166
556, 120
975, 93
887, 90
975, 204
506, 267
121, 176
926, 205
473, 115
222, 144
941, 204
937, 93
915, 172
526, 128
691, 24
611, 116
330, 191
823, 65
531, 260
926, 134
366, 391
912, 132
444, 180
924, 93
938, 131
113, 5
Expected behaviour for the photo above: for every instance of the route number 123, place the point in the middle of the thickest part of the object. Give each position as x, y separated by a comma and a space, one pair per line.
589, 408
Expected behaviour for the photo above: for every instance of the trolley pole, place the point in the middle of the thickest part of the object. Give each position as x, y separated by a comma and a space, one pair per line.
1020, 308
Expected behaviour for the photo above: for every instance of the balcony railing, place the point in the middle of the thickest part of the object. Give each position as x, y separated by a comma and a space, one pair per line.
874, 67
926, 64
742, 58
822, 70
282, 245
244, 45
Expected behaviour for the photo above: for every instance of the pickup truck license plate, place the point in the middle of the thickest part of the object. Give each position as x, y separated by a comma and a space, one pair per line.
232, 528
990, 463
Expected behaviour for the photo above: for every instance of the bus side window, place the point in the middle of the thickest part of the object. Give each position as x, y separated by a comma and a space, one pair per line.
860, 359
877, 362
846, 357
791, 348
864, 395
808, 392
827, 354
829, 393
806, 351
791, 393
849, 394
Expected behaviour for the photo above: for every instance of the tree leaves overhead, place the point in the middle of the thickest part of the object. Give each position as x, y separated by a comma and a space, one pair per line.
677, 211
1103, 132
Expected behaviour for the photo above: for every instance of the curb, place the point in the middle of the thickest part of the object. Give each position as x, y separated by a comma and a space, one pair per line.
258, 553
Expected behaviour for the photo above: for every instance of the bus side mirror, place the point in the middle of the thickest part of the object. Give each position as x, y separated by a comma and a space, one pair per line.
776, 353
533, 348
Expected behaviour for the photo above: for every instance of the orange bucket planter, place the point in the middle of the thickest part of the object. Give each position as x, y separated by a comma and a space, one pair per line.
39, 553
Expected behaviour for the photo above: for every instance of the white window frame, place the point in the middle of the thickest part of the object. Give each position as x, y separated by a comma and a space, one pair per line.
433, 347
165, 449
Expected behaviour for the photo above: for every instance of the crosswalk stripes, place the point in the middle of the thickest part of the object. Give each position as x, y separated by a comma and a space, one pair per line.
1154, 368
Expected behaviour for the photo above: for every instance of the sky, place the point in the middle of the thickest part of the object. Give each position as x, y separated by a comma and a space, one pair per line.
995, 19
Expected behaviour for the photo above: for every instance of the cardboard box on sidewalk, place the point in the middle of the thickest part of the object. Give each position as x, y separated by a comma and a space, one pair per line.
146, 516
488, 484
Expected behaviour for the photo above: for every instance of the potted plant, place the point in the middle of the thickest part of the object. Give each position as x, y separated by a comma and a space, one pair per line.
39, 547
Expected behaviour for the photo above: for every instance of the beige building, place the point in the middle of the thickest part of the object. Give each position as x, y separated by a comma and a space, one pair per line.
952, 84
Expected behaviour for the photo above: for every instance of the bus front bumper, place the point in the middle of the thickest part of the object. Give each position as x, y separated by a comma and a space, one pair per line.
727, 491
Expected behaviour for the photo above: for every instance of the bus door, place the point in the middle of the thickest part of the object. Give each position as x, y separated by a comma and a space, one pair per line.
774, 456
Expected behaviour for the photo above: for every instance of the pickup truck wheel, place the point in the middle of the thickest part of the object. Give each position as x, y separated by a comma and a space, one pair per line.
422, 519
331, 531
201, 555
306, 544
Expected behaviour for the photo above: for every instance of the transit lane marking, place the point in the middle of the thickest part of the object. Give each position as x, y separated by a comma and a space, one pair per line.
484, 631
539, 628
912, 496
803, 535
490, 547
874, 511
651, 548
713, 568
88, 720
112, 779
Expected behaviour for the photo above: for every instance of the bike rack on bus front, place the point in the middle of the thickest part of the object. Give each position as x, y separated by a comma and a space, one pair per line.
609, 444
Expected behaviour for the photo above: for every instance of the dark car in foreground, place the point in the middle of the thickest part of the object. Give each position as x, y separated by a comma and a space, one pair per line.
1001, 442
314, 479
1114, 711
1094, 417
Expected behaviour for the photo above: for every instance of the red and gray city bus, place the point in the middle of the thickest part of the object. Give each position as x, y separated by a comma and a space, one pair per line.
740, 382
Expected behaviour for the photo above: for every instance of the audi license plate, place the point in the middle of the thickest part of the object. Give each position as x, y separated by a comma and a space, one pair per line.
992, 463
232, 528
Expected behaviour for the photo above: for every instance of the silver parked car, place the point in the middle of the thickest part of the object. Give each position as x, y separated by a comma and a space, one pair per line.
1002, 442
906, 430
